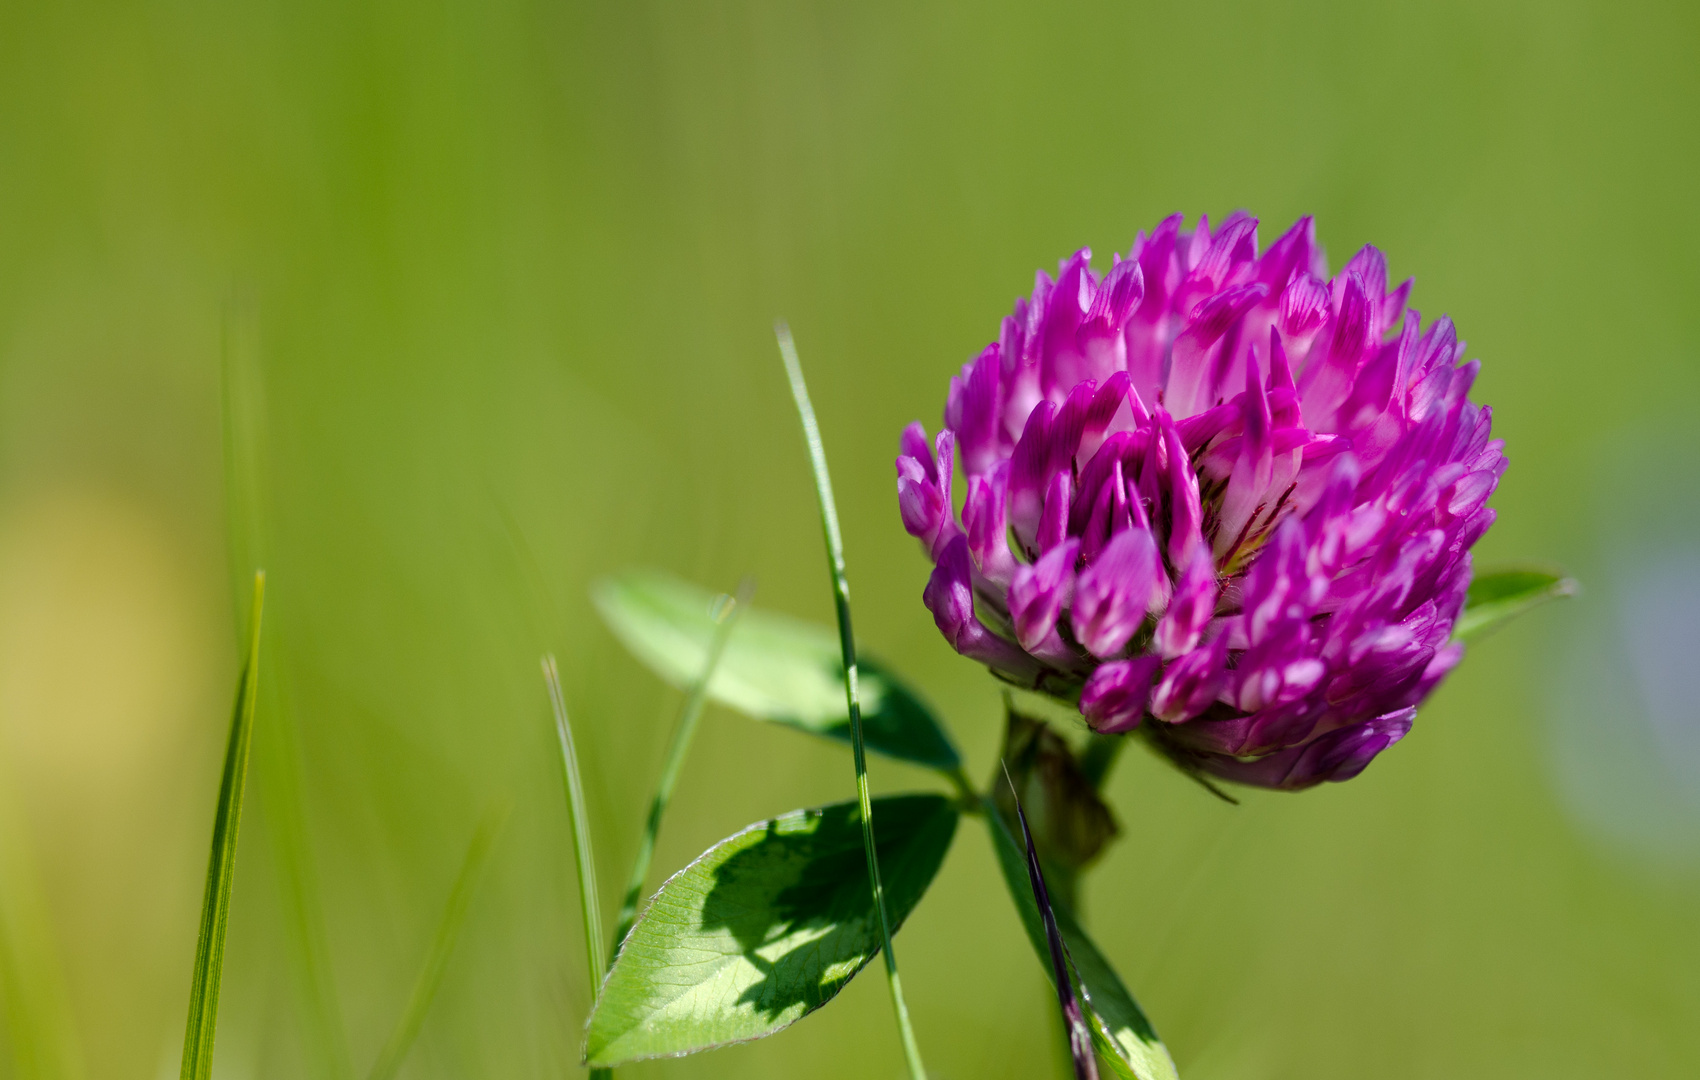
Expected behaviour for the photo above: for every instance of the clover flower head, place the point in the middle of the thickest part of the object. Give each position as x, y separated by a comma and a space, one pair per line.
1213, 495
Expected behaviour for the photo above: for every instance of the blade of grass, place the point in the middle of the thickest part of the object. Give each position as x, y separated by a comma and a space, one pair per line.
683, 732
1074, 1021
221, 863
590, 906
847, 643
442, 945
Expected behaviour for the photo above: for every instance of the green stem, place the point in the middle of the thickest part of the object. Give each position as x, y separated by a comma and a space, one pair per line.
589, 906
847, 644
683, 732
1100, 757
969, 798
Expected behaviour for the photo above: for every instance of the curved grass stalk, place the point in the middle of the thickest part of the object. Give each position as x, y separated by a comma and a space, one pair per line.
590, 906
847, 643
1079, 1036
202, 1024
588, 899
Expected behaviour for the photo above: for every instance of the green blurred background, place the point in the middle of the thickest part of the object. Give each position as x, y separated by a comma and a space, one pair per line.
506, 273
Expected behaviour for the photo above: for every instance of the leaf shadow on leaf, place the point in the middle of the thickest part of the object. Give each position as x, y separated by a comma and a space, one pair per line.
764, 928
812, 936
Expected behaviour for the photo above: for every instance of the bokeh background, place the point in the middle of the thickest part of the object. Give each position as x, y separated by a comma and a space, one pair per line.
497, 280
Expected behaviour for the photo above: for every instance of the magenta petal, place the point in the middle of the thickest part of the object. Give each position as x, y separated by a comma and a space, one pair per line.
1186, 513
923, 487
1029, 473
1038, 592
913, 443
1370, 267
1191, 609
1112, 511
975, 411
1061, 362
988, 535
1118, 294
1053, 520
1328, 378
1337, 756
1187, 389
918, 500
1116, 592
1115, 696
1304, 307
1254, 471
950, 597
1293, 252
1191, 683
1114, 409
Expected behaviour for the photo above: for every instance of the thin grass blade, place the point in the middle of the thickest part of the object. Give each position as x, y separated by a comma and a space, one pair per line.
1122, 1033
726, 617
847, 643
1074, 1022
221, 864
430, 977
589, 904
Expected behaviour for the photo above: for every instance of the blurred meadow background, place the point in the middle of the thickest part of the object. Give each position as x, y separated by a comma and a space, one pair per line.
497, 282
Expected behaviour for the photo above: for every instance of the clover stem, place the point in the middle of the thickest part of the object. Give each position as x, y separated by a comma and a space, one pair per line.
847, 643
1100, 756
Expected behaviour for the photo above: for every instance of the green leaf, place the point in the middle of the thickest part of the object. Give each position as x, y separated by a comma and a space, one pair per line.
1123, 1035
763, 928
775, 668
202, 1024
677, 747
1497, 597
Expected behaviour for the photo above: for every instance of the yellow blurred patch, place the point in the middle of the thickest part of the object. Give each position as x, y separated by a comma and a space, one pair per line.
101, 659
108, 735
